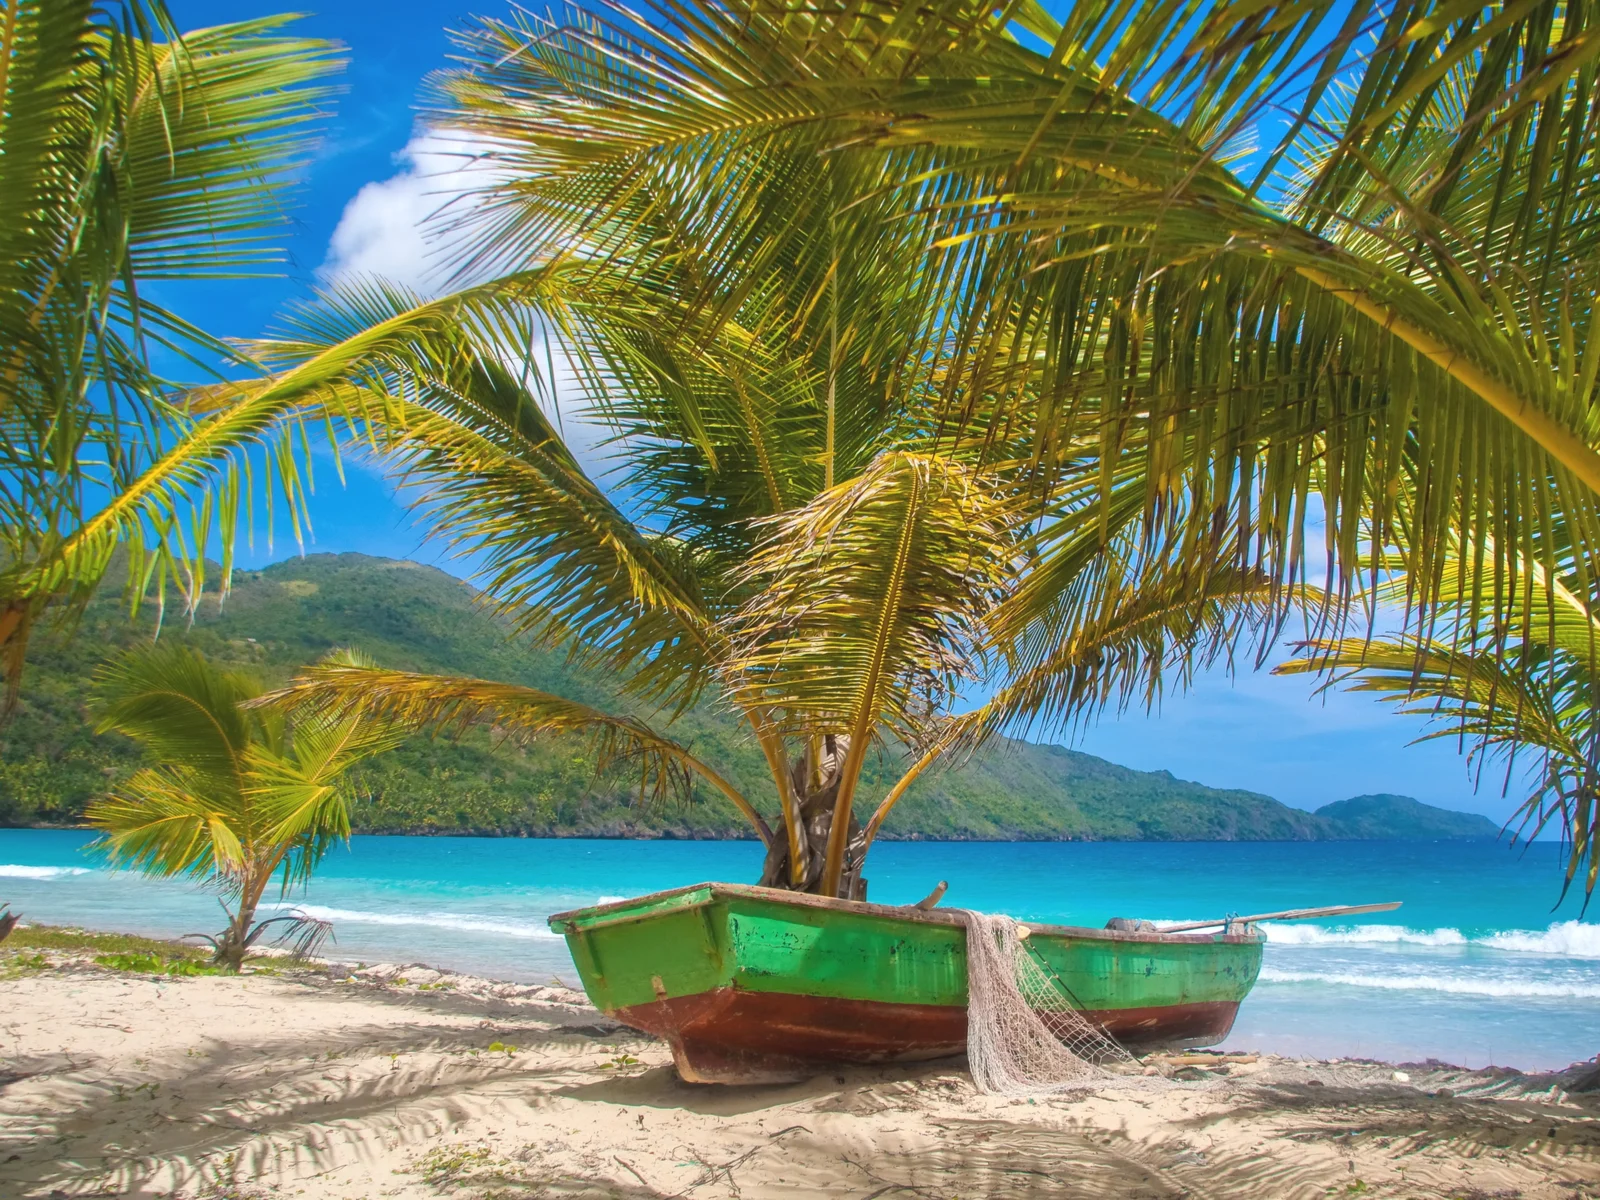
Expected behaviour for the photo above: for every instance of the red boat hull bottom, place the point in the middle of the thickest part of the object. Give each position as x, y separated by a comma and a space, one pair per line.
732, 1036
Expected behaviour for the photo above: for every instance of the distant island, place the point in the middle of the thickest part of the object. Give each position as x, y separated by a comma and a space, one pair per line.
416, 617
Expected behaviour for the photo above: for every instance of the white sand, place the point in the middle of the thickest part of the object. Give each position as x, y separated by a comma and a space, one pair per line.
303, 1085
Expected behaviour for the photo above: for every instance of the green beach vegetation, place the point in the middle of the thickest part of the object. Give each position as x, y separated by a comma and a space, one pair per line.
235, 796
938, 344
32, 948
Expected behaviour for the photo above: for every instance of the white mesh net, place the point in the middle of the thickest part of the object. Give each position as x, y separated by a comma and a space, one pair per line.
1024, 1034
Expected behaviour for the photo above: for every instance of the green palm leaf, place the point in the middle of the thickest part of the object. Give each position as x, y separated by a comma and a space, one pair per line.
302, 797
1523, 704
170, 821
127, 155
183, 709
869, 605
1513, 676
427, 385
1119, 639
1094, 258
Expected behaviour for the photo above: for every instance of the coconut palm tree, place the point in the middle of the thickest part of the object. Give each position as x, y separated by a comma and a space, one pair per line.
785, 530
130, 157
737, 569
237, 795
1139, 307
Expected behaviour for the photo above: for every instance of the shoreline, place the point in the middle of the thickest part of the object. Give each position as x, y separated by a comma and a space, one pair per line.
685, 836
1474, 970
344, 1081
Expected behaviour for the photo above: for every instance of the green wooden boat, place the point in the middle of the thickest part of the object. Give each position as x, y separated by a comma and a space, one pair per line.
752, 985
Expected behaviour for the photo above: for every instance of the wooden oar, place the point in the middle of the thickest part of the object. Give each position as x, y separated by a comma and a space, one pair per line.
1292, 914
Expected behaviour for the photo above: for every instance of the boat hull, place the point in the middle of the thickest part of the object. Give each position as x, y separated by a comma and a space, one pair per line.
754, 985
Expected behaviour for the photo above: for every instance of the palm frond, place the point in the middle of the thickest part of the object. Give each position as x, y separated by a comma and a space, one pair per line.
1533, 607
303, 935
427, 385
301, 797
127, 155
171, 820
347, 687
1500, 705
870, 605
164, 515
215, 126
1140, 639
1349, 330
871, 598
1289, 349
182, 711
1119, 638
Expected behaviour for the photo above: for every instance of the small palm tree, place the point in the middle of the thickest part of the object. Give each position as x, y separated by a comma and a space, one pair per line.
844, 624
237, 796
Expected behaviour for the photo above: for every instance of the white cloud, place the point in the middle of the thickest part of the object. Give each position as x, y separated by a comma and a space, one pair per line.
399, 229
396, 228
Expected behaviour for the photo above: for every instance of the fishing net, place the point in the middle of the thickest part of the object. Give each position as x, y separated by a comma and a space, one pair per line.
1025, 1036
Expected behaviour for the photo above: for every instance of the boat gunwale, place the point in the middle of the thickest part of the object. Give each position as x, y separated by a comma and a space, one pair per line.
568, 922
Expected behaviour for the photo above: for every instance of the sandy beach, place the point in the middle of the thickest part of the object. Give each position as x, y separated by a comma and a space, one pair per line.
345, 1082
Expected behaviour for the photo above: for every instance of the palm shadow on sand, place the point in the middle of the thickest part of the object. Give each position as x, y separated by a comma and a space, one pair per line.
259, 1105
109, 1128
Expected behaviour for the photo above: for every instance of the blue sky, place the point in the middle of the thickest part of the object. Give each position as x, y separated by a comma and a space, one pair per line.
372, 180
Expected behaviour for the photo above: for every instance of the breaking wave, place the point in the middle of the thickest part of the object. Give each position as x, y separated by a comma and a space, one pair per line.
1440, 983
15, 871
1360, 935
1569, 939
1577, 939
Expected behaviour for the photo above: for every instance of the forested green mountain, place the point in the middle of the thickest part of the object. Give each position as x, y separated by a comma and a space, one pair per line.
417, 618
1387, 816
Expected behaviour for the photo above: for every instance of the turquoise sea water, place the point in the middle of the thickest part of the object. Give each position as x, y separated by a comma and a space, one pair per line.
1475, 968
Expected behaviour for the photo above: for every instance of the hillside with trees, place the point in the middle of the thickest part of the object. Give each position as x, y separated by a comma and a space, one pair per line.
415, 617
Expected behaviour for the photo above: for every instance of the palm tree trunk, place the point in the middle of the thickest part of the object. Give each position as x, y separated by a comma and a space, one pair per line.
814, 782
230, 950
236, 938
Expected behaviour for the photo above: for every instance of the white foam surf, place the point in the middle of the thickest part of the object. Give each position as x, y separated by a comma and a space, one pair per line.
1451, 984
1564, 939
1285, 934
17, 871
464, 922
1575, 939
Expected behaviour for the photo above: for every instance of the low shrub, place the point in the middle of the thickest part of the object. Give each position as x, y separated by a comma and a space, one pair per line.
155, 964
